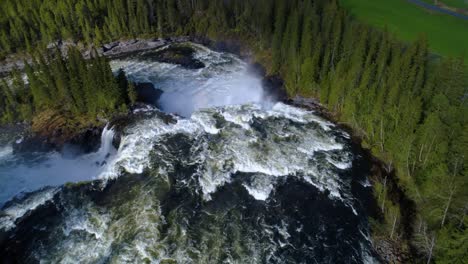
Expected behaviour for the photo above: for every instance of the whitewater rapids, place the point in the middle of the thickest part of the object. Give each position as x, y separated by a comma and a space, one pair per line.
221, 175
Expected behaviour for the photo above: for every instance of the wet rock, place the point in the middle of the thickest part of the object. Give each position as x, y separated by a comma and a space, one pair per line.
180, 55
147, 93
33, 143
112, 49
140, 111
85, 141
119, 48
110, 46
179, 39
88, 140
52, 130
274, 88
13, 133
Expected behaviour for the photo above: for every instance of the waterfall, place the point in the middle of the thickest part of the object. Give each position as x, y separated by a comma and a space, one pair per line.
106, 148
5, 151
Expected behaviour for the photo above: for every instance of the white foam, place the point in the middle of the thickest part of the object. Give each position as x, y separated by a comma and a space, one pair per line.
18, 209
80, 220
138, 141
243, 153
288, 150
5, 152
260, 186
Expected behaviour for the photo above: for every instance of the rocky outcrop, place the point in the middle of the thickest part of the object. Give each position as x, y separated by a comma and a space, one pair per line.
147, 93
179, 54
119, 48
389, 251
51, 130
113, 49
274, 87
142, 111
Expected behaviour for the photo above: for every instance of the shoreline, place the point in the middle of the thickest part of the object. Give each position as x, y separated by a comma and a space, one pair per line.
389, 250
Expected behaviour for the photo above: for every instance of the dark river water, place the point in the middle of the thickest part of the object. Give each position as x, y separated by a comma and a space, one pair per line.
221, 174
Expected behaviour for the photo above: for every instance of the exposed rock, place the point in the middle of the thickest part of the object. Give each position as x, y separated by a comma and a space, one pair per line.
113, 49
274, 88
110, 46
180, 39
390, 252
124, 47
120, 48
89, 140
33, 143
147, 93
180, 55
13, 132
52, 130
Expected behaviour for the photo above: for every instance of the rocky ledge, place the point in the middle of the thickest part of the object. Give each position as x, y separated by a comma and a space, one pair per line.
52, 130
110, 50
179, 54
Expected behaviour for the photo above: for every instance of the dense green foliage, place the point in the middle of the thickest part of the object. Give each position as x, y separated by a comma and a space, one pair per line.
409, 108
72, 84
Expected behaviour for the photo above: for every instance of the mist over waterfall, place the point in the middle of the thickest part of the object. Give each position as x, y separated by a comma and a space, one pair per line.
27, 172
219, 174
225, 80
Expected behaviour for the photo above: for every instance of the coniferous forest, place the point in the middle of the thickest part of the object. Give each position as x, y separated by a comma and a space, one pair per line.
82, 87
408, 104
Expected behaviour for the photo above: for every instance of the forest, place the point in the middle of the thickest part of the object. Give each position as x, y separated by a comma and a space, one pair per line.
71, 84
407, 103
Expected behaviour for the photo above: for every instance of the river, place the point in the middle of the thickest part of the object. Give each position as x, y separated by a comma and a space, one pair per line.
221, 173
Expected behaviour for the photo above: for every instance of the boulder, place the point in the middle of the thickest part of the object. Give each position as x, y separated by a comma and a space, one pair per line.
274, 88
109, 46
147, 93
180, 55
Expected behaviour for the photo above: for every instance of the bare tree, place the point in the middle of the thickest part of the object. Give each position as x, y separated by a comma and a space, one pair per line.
427, 241
431, 249
384, 192
452, 188
462, 218
394, 224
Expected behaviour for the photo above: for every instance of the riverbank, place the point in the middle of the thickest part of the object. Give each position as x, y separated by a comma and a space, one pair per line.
390, 250
397, 249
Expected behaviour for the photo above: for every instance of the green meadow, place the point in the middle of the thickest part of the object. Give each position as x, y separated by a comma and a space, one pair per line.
447, 35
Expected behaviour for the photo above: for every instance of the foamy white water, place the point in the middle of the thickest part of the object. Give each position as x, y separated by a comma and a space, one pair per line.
290, 151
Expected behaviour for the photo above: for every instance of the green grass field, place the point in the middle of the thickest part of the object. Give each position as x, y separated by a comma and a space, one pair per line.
447, 35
